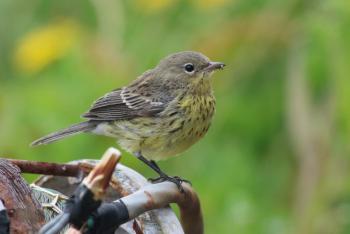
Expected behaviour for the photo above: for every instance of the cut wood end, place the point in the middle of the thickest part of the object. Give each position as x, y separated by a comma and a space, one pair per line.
98, 179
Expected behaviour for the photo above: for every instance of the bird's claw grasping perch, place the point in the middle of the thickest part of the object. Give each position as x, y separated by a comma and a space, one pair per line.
174, 179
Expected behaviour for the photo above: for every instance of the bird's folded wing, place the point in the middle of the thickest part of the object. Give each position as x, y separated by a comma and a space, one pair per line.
123, 104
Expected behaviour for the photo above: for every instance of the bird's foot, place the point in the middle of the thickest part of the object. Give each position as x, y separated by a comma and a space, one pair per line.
174, 179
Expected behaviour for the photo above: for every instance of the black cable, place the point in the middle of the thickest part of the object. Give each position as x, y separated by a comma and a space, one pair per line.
77, 210
107, 218
59, 225
56, 224
4, 220
81, 205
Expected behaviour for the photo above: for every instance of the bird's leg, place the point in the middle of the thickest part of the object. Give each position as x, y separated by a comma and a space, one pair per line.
155, 164
162, 176
159, 178
149, 163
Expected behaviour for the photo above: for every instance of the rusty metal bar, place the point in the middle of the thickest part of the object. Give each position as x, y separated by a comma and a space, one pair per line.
159, 195
46, 168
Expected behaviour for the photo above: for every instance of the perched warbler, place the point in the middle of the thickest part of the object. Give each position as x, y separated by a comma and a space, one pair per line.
160, 114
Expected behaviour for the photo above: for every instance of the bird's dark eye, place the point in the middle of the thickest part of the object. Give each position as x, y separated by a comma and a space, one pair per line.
189, 67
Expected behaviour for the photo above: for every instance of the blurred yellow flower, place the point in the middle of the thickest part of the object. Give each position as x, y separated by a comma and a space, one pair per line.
43, 46
154, 5
208, 4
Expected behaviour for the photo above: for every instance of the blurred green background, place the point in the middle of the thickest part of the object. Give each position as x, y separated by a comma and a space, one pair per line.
276, 159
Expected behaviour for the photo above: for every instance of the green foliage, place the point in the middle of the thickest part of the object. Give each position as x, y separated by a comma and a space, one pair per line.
247, 169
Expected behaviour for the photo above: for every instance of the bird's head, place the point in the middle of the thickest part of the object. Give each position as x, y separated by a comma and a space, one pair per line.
187, 68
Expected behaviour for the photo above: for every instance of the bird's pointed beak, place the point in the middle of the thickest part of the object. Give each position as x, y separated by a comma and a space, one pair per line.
214, 66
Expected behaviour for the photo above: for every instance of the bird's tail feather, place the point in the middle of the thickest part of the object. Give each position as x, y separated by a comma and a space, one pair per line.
72, 130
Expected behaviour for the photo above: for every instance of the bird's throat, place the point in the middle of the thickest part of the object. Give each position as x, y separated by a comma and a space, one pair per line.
200, 87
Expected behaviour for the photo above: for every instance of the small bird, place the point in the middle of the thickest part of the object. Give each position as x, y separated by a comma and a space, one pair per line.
159, 115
